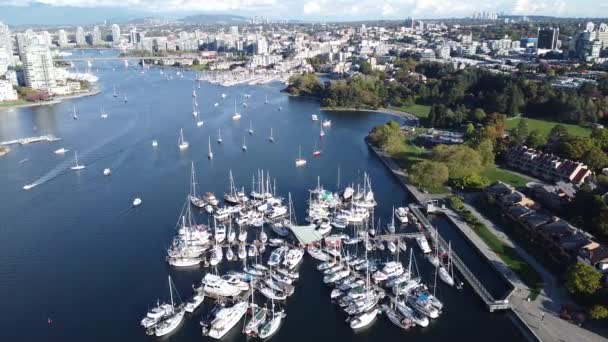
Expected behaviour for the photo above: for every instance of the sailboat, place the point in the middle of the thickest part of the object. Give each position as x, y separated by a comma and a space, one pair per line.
74, 115
194, 111
300, 161
182, 144
219, 135
444, 274
170, 322
194, 199
250, 128
210, 154
266, 99
125, 98
272, 325
104, 114
271, 138
316, 152
236, 115
244, 144
76, 166
322, 134
115, 94
391, 226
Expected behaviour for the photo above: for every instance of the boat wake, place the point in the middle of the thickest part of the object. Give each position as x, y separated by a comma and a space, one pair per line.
64, 166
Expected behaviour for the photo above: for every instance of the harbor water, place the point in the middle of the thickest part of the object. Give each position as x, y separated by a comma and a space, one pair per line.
78, 263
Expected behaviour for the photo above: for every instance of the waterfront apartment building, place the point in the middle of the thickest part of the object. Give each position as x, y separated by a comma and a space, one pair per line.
62, 39
115, 34
96, 36
547, 38
547, 166
80, 36
6, 48
38, 67
7, 92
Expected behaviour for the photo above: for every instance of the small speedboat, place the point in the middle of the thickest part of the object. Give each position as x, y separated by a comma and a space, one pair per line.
137, 202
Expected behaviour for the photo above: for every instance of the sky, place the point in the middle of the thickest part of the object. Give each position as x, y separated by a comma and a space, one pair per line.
328, 9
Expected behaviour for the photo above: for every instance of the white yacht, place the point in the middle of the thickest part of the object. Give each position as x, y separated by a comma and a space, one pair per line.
326, 123
216, 286
423, 244
315, 117
401, 214
182, 144
76, 166
61, 151
226, 319
155, 314
293, 258
107, 172
104, 114
154, 143
137, 202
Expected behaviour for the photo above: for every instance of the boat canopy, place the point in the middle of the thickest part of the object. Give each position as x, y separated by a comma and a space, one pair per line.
306, 234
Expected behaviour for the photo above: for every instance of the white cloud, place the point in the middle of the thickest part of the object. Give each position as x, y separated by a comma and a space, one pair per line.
387, 10
349, 9
312, 7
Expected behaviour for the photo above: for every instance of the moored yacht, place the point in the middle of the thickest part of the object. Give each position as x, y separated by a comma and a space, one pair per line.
226, 319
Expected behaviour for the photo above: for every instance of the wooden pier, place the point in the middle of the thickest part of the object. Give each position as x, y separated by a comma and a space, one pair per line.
25, 141
491, 302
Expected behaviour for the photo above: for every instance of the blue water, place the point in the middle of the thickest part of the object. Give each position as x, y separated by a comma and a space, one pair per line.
74, 250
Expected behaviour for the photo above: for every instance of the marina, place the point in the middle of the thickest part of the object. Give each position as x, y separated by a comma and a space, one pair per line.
128, 246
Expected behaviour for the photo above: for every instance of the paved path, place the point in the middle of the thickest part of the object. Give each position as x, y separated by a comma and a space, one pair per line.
541, 314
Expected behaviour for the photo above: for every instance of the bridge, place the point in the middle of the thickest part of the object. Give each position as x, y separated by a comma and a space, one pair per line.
491, 302
118, 58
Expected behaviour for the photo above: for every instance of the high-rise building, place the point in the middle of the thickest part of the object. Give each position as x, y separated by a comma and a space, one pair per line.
62, 38
115, 34
135, 38
261, 46
38, 67
6, 48
96, 36
547, 38
28, 38
80, 37
234, 30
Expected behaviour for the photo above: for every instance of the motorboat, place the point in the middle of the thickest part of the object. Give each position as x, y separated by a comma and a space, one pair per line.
423, 244
155, 314
194, 302
315, 117
226, 319
107, 172
214, 285
60, 151
293, 258
137, 202
154, 143
402, 214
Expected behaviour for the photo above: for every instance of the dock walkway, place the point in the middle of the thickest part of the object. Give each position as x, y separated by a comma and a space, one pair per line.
492, 303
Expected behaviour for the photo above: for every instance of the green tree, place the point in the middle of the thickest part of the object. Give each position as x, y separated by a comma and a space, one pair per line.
486, 152
535, 139
558, 132
595, 158
479, 115
428, 174
521, 132
461, 160
600, 137
583, 279
599, 312
470, 132
365, 68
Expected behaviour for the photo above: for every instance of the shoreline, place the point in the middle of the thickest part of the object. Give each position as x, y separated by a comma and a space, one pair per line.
53, 101
404, 115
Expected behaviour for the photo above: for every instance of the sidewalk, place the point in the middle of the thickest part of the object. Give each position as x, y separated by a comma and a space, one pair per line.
542, 314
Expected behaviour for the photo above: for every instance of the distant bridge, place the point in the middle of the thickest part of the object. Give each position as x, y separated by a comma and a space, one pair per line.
116, 58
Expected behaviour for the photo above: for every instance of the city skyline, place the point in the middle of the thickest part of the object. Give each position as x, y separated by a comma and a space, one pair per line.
312, 10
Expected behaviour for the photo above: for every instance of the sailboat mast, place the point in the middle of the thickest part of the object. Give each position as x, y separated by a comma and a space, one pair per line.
171, 292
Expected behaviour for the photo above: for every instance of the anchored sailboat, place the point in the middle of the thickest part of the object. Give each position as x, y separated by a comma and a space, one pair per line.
271, 137
300, 161
76, 166
219, 135
182, 144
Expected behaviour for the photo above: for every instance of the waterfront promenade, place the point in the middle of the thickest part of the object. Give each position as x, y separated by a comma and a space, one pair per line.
541, 316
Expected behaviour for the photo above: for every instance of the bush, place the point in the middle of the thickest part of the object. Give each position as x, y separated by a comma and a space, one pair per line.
599, 312
428, 174
583, 279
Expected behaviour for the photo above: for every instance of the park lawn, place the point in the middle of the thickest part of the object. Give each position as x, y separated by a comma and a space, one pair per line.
544, 126
509, 255
199, 67
494, 174
12, 103
420, 111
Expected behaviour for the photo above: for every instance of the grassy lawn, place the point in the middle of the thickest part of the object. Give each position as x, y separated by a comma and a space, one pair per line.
506, 253
11, 103
494, 174
545, 126
509, 256
199, 67
421, 111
